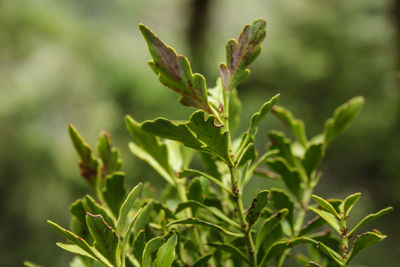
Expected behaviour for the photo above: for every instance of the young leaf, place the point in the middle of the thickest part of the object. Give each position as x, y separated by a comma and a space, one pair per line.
78, 221
342, 118
202, 262
296, 126
257, 117
268, 226
241, 53
150, 247
214, 139
348, 203
312, 158
234, 251
166, 253
88, 164
174, 72
108, 154
370, 218
280, 200
290, 176
105, 238
363, 241
138, 245
259, 202
80, 243
75, 250
126, 207
150, 149
329, 218
114, 191
325, 205
205, 223
143, 218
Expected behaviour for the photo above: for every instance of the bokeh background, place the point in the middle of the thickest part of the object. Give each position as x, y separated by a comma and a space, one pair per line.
84, 62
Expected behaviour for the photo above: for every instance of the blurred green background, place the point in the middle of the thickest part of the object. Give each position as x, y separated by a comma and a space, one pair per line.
84, 62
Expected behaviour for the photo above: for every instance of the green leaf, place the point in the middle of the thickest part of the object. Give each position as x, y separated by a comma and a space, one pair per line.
93, 207
214, 211
348, 203
235, 109
258, 116
296, 126
80, 243
78, 221
278, 248
241, 53
342, 118
205, 223
280, 142
174, 131
259, 202
138, 245
280, 200
312, 158
75, 250
234, 251
195, 191
88, 164
268, 226
363, 241
114, 191
143, 218
174, 72
311, 225
150, 149
105, 238
249, 154
126, 207
290, 176
192, 172
329, 218
202, 262
150, 247
108, 154
370, 218
166, 253
212, 135
326, 205
31, 264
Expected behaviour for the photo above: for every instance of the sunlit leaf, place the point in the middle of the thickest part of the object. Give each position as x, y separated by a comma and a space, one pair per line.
205, 223
370, 218
325, 205
114, 191
364, 241
166, 253
348, 203
126, 207
328, 217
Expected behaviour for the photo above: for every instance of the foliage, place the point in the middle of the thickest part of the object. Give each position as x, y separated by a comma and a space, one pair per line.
202, 218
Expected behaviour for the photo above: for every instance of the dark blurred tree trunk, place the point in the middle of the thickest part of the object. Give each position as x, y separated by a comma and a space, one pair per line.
199, 16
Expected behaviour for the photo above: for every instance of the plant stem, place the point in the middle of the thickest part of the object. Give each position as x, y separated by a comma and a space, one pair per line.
245, 226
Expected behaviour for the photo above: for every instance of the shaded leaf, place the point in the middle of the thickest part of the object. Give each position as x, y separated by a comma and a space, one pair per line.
268, 226
114, 191
311, 225
192, 172
138, 245
93, 207
126, 207
312, 158
363, 241
109, 155
296, 126
195, 191
235, 109
166, 253
234, 251
215, 140
174, 72
202, 262
205, 223
88, 164
258, 116
105, 238
290, 176
78, 221
342, 118
75, 250
370, 218
150, 149
143, 217
258, 203
241, 53
280, 200
150, 247
281, 143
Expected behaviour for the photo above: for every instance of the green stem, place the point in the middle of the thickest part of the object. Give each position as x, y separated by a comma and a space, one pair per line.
245, 226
